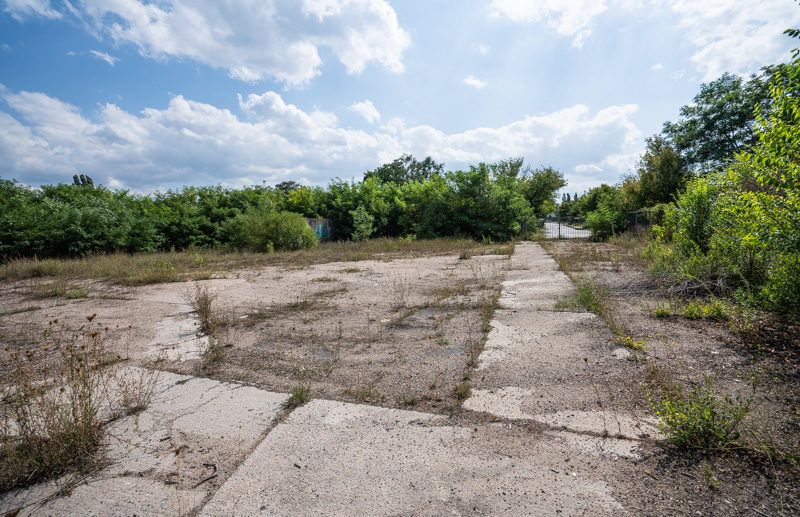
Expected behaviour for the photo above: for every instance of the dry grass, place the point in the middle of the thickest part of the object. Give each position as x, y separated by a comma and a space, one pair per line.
138, 269
55, 402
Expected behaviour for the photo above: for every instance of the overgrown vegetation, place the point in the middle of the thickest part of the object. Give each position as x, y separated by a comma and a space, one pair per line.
737, 231
701, 419
722, 189
141, 268
55, 402
406, 198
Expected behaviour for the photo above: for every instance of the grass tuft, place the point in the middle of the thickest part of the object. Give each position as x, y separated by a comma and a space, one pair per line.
300, 395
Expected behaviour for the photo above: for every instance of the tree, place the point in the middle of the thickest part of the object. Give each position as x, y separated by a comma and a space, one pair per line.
719, 122
540, 187
362, 223
287, 186
82, 181
661, 174
405, 169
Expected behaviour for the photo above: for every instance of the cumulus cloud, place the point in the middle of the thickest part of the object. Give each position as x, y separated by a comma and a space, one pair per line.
111, 60
269, 39
44, 139
21, 9
571, 18
657, 67
735, 35
367, 110
729, 35
474, 82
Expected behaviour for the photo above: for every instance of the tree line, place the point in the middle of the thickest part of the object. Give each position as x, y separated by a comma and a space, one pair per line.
404, 198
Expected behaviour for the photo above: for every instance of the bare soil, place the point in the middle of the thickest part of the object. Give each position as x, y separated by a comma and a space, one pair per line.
398, 332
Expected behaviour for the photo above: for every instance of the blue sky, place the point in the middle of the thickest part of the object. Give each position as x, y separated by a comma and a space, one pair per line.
159, 94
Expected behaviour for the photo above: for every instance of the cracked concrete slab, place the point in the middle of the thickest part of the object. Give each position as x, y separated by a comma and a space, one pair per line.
549, 366
333, 458
193, 428
514, 403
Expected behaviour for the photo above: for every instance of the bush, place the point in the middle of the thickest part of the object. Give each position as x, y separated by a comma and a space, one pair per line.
701, 419
695, 216
262, 230
362, 224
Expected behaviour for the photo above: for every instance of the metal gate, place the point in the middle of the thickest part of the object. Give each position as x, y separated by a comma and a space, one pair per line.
566, 228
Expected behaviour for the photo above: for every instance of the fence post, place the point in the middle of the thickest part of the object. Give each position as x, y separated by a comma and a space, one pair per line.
559, 227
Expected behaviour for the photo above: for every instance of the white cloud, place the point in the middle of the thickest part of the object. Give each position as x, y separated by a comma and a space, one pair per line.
481, 49
21, 9
43, 139
571, 18
735, 35
474, 82
111, 60
657, 67
269, 39
367, 110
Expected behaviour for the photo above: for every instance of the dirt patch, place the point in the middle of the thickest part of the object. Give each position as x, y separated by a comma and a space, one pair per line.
394, 332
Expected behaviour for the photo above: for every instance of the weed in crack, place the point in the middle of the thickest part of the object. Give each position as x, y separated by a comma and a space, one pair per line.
52, 412
300, 395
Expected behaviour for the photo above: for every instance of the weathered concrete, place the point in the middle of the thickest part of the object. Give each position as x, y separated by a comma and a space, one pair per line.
193, 428
177, 337
546, 365
334, 458
541, 368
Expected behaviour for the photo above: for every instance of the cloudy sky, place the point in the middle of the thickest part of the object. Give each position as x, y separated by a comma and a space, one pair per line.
157, 94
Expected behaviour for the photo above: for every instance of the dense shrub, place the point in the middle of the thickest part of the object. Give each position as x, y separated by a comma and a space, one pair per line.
263, 230
740, 227
406, 197
362, 223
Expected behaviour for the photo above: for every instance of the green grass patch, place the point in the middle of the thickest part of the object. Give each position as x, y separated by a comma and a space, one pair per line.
300, 395
711, 310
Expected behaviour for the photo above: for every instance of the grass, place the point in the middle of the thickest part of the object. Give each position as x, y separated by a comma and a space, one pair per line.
462, 391
202, 301
400, 292
407, 400
139, 269
300, 395
593, 297
29, 308
51, 413
365, 394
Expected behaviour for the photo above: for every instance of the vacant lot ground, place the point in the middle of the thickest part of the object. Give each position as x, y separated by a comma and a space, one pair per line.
557, 403
734, 349
398, 324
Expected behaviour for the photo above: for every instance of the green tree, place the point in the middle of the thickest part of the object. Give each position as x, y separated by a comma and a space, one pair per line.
405, 169
362, 223
661, 174
540, 187
719, 122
